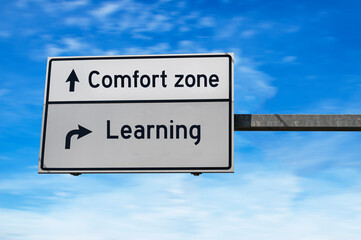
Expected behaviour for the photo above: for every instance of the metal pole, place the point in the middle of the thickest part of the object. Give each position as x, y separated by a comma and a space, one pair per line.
297, 122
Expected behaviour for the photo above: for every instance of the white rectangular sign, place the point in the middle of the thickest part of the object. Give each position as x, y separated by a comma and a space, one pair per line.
139, 78
160, 113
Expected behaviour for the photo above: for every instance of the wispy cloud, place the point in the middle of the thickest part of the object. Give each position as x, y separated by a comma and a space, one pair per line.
74, 4
289, 59
4, 34
82, 22
75, 46
248, 33
251, 85
65, 46
3, 92
231, 27
314, 152
52, 6
15, 109
4, 157
108, 8
252, 206
207, 22
159, 48
138, 17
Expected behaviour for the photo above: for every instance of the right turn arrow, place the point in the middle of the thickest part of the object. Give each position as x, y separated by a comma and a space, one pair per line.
81, 132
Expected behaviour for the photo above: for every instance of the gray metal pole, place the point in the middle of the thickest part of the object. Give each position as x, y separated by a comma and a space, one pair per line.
297, 122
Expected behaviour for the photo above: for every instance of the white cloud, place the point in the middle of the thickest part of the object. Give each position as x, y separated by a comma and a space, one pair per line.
65, 46
160, 48
248, 33
23, 3
4, 34
207, 22
81, 22
107, 9
292, 29
289, 59
266, 25
231, 27
154, 23
135, 16
252, 85
102, 52
4, 158
19, 106
54, 6
256, 205
313, 152
3, 92
75, 4
75, 46
187, 46
139, 18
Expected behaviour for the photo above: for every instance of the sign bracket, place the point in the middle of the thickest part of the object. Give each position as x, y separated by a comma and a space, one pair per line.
297, 122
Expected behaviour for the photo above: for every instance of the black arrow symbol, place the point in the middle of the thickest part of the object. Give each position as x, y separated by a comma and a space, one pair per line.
72, 79
81, 132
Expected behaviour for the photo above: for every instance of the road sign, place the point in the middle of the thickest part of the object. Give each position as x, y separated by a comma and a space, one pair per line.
160, 113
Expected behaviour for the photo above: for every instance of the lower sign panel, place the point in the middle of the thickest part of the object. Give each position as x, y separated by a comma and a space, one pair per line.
138, 137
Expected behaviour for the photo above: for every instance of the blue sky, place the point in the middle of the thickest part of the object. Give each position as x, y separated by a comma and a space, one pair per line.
291, 57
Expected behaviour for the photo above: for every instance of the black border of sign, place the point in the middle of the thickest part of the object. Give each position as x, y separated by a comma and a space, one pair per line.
229, 100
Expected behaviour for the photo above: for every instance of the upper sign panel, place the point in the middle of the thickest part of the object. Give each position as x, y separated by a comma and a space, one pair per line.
129, 78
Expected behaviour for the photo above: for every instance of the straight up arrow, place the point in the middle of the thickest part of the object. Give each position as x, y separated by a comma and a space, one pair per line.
72, 79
